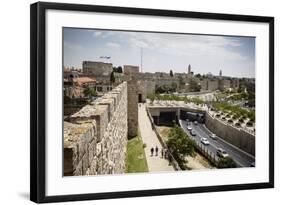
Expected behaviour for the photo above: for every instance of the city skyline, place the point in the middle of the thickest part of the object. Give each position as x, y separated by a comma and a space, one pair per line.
162, 52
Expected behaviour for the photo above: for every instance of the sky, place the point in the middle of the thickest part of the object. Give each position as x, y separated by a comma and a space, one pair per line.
162, 52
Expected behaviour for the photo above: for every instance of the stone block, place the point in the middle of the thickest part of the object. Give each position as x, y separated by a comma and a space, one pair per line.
85, 163
111, 106
92, 150
98, 149
79, 169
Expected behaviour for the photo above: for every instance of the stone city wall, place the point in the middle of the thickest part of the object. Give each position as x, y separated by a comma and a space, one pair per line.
237, 137
97, 68
95, 137
132, 109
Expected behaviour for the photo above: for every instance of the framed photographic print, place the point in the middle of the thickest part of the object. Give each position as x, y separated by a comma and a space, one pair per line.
129, 102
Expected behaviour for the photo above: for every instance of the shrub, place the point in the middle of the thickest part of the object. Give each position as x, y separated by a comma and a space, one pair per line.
241, 120
226, 162
249, 124
180, 145
237, 124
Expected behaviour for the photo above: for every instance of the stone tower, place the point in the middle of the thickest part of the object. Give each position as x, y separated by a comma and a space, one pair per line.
189, 69
132, 109
220, 73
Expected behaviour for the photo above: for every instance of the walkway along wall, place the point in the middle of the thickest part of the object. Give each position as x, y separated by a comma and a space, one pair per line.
95, 137
237, 137
164, 145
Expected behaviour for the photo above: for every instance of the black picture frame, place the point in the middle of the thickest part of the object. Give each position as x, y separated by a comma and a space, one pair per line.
38, 100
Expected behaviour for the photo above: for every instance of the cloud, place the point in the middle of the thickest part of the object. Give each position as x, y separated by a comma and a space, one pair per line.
188, 45
113, 45
134, 42
97, 33
72, 46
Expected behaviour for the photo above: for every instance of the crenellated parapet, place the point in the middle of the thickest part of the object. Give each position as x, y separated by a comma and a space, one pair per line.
95, 137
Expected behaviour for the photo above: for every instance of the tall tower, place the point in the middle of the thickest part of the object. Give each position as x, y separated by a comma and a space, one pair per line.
221, 82
189, 69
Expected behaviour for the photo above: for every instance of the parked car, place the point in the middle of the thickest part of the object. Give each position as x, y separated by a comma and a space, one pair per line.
189, 127
193, 133
195, 123
205, 141
213, 136
222, 153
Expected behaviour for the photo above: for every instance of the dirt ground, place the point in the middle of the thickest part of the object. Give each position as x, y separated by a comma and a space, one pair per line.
164, 131
198, 162
193, 163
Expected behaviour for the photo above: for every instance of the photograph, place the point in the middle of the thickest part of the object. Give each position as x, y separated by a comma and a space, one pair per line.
150, 102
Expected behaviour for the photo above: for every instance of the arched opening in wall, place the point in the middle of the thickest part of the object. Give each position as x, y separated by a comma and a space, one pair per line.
139, 97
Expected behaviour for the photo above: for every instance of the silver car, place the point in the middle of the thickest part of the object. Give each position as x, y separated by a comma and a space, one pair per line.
222, 153
205, 141
213, 136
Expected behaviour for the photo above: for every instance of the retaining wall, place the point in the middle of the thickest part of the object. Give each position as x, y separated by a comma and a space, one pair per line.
235, 136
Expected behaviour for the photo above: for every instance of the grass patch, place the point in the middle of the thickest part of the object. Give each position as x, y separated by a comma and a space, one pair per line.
135, 159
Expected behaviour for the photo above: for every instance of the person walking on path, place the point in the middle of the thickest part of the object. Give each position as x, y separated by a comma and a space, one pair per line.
162, 152
156, 150
149, 136
170, 158
152, 150
165, 153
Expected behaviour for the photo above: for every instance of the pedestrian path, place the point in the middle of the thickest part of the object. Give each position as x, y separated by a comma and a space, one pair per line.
155, 163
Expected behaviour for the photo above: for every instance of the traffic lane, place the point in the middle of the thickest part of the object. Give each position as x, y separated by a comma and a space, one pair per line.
230, 147
214, 145
237, 154
199, 134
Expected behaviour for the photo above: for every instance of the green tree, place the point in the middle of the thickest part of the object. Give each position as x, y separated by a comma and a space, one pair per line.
194, 86
171, 73
180, 145
181, 82
89, 92
112, 77
117, 69
173, 87
120, 70
151, 97
226, 162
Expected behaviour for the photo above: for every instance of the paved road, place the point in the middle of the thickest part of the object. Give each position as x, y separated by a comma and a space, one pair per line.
155, 163
240, 157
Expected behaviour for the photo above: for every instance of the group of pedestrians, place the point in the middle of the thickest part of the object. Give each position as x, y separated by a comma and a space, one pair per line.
164, 152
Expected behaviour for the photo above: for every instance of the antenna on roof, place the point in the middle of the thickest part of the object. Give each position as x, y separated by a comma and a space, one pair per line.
106, 57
